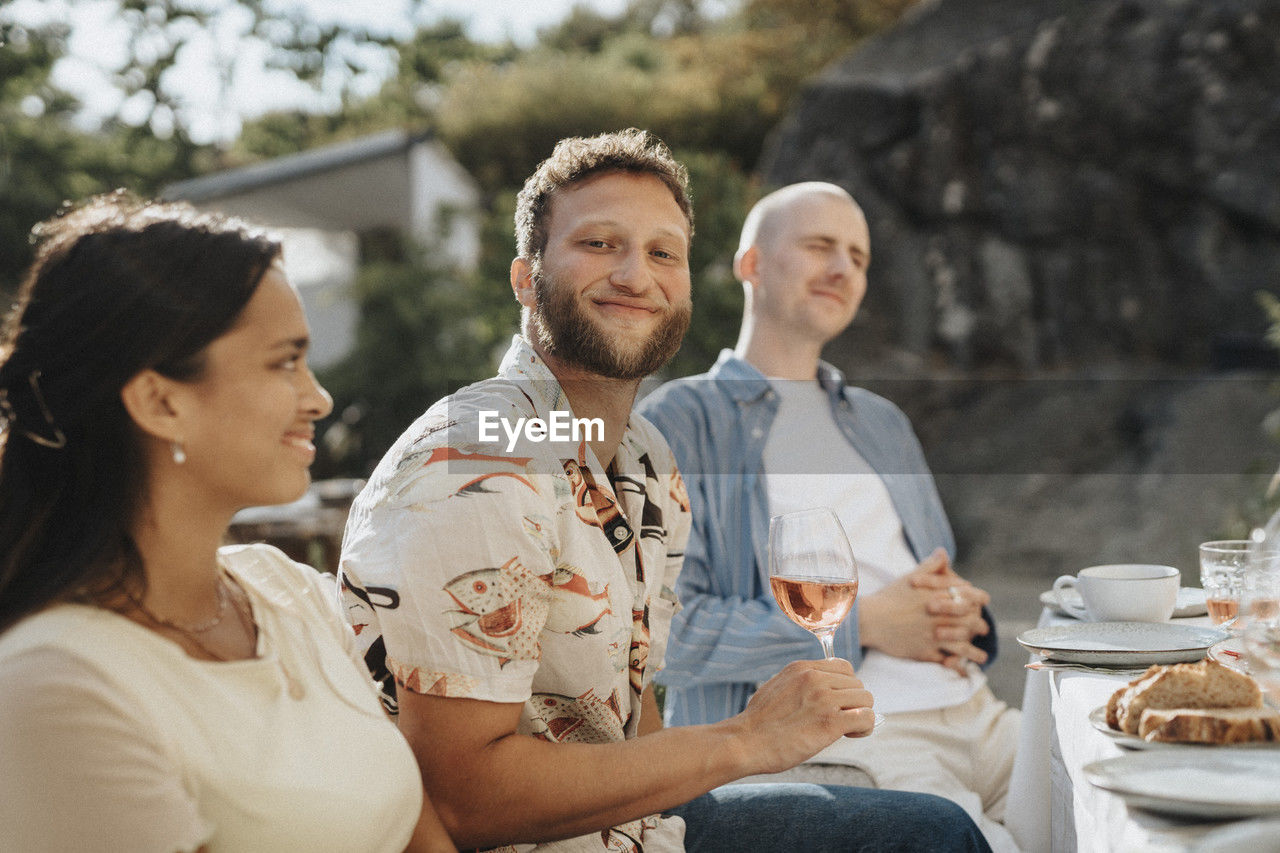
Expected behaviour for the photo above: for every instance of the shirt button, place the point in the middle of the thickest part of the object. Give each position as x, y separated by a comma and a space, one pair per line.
619, 534
757, 432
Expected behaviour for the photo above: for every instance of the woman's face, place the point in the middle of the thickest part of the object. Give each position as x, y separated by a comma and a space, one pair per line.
248, 418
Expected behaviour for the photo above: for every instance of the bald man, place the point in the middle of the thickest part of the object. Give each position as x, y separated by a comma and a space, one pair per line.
771, 429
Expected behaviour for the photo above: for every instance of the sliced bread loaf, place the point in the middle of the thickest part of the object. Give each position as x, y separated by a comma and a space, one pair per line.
1210, 725
1204, 684
1113, 704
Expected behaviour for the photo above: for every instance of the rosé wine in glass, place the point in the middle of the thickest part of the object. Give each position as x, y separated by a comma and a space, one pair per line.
815, 604
812, 572
1222, 568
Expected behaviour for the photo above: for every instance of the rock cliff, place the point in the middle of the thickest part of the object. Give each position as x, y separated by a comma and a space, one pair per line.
1073, 204
1059, 182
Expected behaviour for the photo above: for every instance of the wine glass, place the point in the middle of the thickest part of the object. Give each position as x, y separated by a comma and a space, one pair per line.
813, 574
812, 571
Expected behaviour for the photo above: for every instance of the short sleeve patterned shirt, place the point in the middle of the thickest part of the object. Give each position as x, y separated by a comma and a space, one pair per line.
482, 566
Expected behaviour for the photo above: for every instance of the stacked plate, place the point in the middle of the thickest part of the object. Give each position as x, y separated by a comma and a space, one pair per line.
1121, 644
1199, 782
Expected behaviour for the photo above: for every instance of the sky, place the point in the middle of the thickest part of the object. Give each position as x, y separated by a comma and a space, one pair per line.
97, 45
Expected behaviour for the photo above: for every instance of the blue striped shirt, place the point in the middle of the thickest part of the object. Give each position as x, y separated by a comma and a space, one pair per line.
730, 635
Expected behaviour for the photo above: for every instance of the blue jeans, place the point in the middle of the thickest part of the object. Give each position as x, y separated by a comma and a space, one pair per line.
793, 817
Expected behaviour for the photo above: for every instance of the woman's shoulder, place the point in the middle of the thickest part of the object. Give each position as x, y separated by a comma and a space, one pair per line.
73, 649
275, 577
64, 627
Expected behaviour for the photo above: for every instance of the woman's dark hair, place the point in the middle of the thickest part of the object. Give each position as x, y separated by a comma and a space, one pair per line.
117, 286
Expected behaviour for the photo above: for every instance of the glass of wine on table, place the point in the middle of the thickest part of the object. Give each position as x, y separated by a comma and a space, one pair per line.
1222, 572
812, 573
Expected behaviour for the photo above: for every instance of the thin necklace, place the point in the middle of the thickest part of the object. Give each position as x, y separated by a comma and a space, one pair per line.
195, 641
201, 628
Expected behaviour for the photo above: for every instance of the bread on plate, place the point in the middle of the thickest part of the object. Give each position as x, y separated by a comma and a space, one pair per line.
1210, 725
1205, 684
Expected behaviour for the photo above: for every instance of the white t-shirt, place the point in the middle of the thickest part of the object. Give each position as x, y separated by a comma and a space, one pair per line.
112, 738
811, 464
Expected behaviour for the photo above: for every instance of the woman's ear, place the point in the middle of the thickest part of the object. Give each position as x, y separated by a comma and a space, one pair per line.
149, 400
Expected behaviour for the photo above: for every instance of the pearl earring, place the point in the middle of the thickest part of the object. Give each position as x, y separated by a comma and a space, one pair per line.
179, 454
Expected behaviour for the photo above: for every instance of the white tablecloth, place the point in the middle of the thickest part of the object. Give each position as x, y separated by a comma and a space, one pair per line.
1051, 806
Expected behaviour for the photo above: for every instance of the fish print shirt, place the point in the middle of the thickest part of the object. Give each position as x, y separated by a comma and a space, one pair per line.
481, 566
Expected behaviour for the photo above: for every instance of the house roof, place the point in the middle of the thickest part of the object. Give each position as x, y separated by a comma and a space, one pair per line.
294, 166
394, 179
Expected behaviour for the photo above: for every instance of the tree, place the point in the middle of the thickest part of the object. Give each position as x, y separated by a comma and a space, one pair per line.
846, 20
425, 330
43, 159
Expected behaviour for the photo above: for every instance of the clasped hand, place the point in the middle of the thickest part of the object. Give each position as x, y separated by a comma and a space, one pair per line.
930, 614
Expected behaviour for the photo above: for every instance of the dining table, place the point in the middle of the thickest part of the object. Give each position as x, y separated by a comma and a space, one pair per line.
1053, 806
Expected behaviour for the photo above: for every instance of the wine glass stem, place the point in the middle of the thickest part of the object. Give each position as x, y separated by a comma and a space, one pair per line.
828, 645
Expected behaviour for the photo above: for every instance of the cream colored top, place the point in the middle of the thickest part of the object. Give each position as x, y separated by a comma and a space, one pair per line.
112, 738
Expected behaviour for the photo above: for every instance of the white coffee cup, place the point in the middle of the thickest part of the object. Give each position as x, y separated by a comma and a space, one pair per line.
1121, 593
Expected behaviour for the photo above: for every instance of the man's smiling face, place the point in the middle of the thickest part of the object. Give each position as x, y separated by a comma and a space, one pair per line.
613, 287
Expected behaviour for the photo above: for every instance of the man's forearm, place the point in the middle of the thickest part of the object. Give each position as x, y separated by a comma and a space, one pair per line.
584, 787
517, 788
493, 786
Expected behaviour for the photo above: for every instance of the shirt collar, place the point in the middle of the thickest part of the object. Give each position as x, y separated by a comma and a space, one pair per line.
747, 383
522, 364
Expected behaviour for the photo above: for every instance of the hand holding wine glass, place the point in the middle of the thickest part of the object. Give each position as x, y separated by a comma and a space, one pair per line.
812, 573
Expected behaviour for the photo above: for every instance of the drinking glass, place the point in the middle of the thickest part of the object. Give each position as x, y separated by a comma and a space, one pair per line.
1260, 615
1222, 569
812, 571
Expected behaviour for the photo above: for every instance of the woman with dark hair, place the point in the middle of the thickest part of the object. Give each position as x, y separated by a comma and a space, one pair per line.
158, 692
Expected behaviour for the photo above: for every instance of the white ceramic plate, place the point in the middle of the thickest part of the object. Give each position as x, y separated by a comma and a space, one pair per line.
1254, 836
1230, 652
1190, 601
1121, 643
1098, 719
1198, 782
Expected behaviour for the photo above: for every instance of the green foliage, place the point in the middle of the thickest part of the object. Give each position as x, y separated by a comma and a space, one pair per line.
712, 88
717, 92
840, 20
722, 194
323, 53
44, 160
425, 330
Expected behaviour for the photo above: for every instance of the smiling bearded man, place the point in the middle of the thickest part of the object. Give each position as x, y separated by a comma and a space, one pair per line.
565, 331
516, 604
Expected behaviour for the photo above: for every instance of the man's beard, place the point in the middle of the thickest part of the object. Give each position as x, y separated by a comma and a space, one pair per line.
566, 332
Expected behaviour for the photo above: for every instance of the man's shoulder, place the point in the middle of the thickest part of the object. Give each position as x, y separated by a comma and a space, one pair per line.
688, 393
870, 403
459, 436
457, 420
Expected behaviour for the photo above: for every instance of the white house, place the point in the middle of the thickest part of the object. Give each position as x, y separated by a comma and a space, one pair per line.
322, 201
